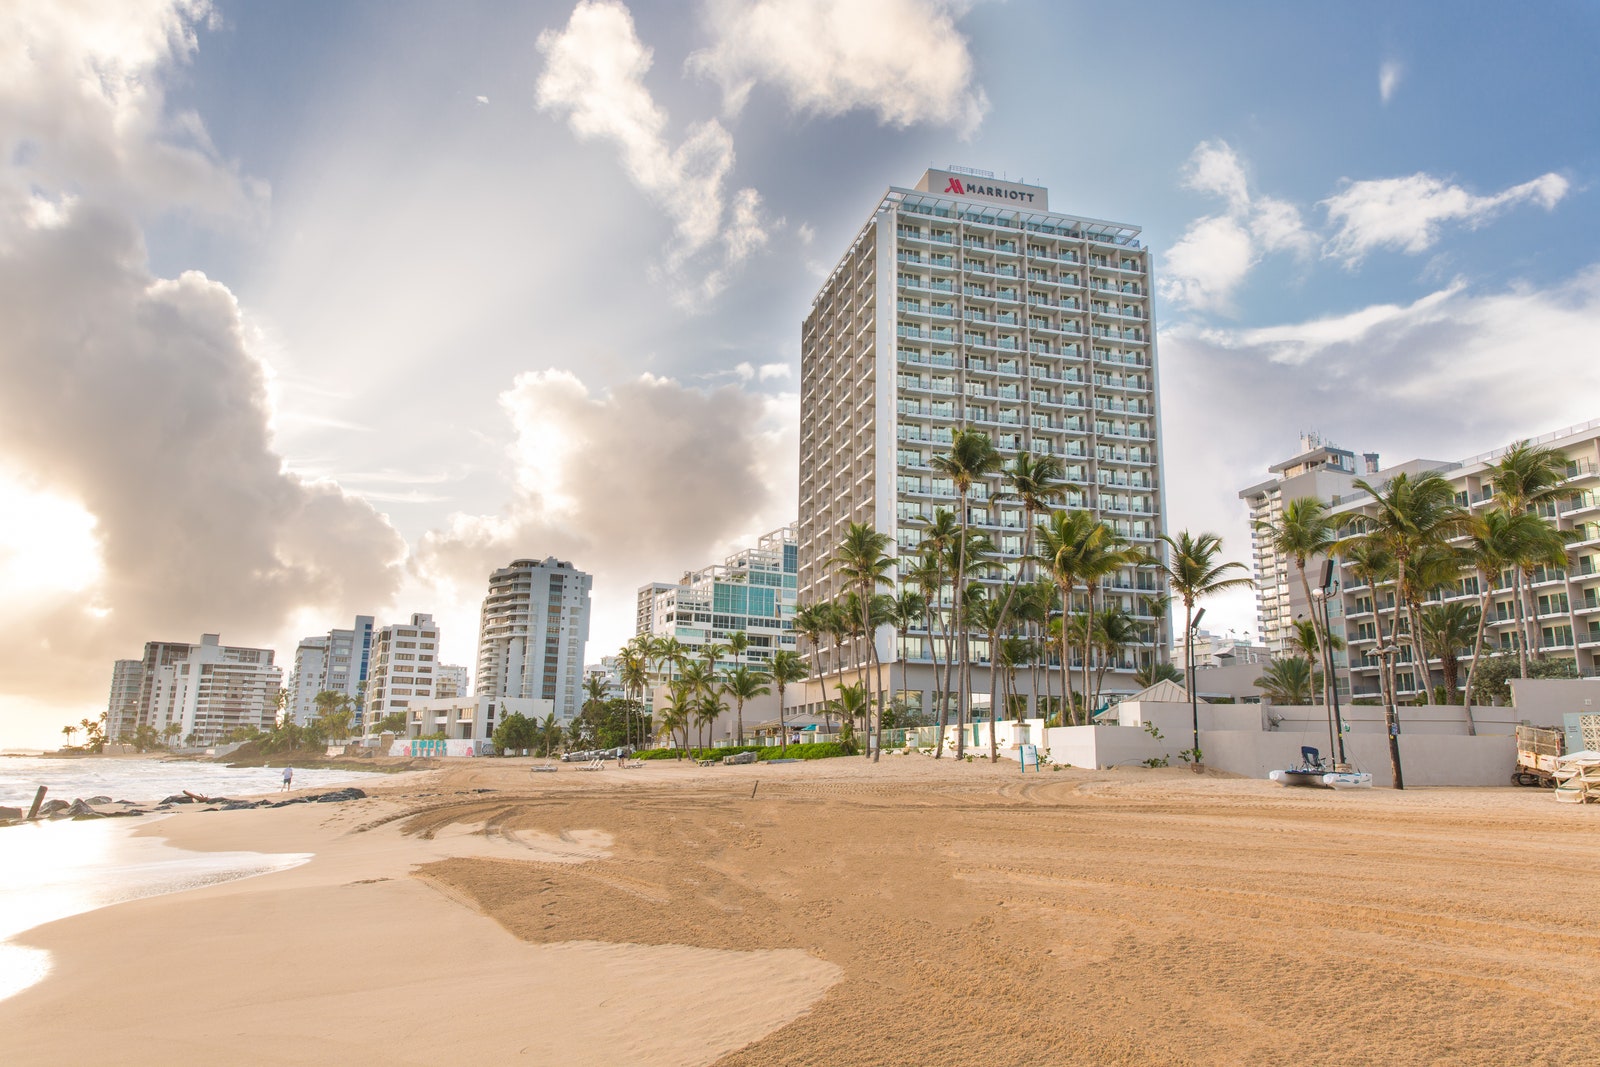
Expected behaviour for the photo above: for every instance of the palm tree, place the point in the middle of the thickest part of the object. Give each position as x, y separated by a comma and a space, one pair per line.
906, 610
1193, 572
850, 705
707, 709
1447, 629
988, 614
700, 679
787, 667
671, 654
1524, 476
863, 562
1288, 680
744, 684
679, 710
1114, 631
1496, 541
1411, 517
809, 625
1035, 482
738, 642
1150, 674
938, 546
1063, 542
69, 730
1305, 531
633, 668
170, 732
972, 460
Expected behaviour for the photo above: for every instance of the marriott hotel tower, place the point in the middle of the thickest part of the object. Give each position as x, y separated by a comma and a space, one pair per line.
966, 301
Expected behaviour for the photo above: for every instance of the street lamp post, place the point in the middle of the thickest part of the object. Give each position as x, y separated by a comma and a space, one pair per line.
1391, 715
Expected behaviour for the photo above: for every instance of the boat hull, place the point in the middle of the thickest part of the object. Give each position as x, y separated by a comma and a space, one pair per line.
1306, 779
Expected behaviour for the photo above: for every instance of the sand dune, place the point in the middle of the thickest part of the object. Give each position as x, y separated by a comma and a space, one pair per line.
838, 913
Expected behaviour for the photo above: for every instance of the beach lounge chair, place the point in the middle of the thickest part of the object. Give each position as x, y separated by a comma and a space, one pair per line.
593, 765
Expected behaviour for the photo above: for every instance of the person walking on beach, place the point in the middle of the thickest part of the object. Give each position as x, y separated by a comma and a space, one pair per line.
288, 779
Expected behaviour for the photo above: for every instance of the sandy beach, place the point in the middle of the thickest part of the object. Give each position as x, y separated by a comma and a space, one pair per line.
917, 912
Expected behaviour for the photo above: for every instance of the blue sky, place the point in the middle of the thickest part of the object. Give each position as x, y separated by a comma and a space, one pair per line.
492, 280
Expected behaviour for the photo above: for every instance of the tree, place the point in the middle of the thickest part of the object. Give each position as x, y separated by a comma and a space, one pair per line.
1497, 540
744, 684
787, 667
1077, 548
549, 733
393, 723
700, 679
988, 614
738, 642
633, 668
708, 707
1410, 517
1447, 631
1114, 631
863, 562
333, 712
808, 625
1288, 680
1150, 674
1523, 477
679, 711
1193, 572
68, 730
1303, 532
514, 733
971, 461
170, 731
1493, 681
1035, 483
850, 705
939, 537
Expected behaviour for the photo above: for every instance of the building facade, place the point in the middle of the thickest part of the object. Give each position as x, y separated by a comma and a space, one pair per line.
336, 661
122, 707
1561, 617
1319, 470
401, 669
752, 591
532, 632
965, 301
452, 681
214, 690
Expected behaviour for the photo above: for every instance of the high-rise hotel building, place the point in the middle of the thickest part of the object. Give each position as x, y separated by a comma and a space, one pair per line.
966, 301
531, 634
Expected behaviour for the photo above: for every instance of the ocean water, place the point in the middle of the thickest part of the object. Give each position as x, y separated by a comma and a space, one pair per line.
50, 870
148, 780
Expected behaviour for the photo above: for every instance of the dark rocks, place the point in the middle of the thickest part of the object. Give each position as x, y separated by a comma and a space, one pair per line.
179, 798
79, 809
97, 800
50, 807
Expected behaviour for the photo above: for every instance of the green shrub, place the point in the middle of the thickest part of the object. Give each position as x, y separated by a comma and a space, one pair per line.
821, 750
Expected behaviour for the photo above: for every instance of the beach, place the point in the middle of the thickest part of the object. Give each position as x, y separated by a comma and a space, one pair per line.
835, 912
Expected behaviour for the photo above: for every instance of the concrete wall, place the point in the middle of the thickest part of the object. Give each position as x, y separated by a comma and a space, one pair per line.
1543, 701
1231, 739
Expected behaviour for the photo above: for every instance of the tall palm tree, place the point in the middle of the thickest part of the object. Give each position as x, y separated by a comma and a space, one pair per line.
670, 653
1064, 541
1035, 482
850, 705
708, 707
1193, 572
906, 610
939, 538
69, 730
1302, 533
1157, 672
1496, 541
810, 625
700, 679
1525, 476
633, 668
679, 710
988, 614
1287, 680
738, 643
742, 684
972, 460
1446, 630
1114, 631
787, 667
1410, 517
863, 562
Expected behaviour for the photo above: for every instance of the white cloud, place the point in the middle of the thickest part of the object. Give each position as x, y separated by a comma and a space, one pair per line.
903, 60
82, 109
1407, 213
1389, 78
1443, 377
594, 75
1217, 252
632, 484
481, 99
776, 370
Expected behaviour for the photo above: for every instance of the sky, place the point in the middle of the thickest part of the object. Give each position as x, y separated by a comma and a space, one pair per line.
313, 309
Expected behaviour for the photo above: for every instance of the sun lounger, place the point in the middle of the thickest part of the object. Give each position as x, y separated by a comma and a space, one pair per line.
593, 765
707, 762
634, 763
549, 768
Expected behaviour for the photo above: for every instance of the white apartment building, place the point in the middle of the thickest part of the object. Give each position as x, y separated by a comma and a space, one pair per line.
1320, 470
966, 301
531, 635
401, 668
336, 661
214, 690
752, 591
122, 707
1564, 601
452, 681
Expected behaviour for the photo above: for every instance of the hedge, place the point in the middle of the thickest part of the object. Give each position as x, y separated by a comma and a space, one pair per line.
820, 750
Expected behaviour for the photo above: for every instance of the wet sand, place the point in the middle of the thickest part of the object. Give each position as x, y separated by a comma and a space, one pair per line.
917, 912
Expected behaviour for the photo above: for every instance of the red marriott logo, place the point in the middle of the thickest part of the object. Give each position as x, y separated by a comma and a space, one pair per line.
996, 192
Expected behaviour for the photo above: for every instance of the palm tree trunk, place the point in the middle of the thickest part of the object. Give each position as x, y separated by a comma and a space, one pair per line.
963, 671
1477, 651
1088, 649
1524, 627
1324, 654
1413, 622
1066, 598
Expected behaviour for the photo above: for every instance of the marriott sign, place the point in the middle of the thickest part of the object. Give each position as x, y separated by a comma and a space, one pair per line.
973, 187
